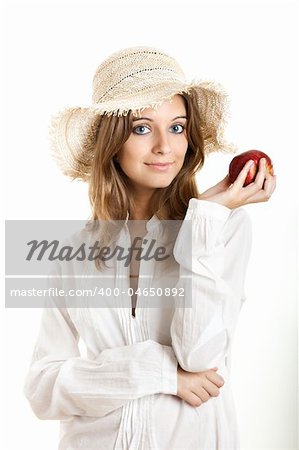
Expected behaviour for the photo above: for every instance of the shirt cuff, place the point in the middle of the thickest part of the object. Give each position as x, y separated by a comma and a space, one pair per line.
206, 208
169, 371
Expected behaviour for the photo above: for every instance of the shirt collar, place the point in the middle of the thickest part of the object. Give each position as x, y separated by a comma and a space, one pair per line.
151, 224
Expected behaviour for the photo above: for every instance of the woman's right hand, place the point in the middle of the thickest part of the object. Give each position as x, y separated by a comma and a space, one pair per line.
198, 387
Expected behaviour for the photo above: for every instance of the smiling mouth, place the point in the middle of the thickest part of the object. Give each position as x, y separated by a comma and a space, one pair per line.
160, 167
159, 164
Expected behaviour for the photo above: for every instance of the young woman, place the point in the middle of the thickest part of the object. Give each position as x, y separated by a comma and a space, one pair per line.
154, 377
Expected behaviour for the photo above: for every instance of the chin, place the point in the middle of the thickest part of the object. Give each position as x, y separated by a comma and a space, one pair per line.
162, 185
157, 184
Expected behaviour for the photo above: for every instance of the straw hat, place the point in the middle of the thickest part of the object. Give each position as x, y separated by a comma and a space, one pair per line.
133, 79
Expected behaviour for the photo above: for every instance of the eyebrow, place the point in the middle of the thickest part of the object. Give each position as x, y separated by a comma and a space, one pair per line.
151, 120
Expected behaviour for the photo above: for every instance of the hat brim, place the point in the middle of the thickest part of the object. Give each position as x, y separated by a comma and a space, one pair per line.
73, 130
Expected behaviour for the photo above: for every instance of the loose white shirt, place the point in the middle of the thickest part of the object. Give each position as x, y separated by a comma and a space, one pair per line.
122, 393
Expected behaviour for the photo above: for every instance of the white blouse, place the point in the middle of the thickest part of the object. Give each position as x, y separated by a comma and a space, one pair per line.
122, 394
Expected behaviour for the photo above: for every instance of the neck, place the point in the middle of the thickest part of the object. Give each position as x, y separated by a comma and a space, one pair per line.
142, 207
140, 215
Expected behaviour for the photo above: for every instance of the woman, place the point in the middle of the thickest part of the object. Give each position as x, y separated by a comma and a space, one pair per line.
157, 370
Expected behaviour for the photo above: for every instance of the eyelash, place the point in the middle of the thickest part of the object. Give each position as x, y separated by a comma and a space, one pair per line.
145, 126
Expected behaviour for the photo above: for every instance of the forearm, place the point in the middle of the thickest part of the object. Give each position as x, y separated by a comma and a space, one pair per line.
78, 386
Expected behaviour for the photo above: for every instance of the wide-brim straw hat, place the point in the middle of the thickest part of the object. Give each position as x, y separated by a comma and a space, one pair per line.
133, 79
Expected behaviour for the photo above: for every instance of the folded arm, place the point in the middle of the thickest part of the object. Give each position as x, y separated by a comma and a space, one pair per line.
212, 273
60, 383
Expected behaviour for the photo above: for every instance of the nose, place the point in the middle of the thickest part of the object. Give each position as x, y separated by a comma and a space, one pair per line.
161, 143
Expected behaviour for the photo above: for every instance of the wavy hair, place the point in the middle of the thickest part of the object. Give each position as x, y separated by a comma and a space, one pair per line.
110, 192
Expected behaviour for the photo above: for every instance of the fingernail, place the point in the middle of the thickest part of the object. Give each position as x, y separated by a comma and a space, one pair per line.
250, 162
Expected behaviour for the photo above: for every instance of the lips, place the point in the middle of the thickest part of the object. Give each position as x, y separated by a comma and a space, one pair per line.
159, 164
159, 167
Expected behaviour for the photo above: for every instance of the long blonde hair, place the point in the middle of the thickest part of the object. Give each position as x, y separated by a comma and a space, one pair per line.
109, 187
110, 191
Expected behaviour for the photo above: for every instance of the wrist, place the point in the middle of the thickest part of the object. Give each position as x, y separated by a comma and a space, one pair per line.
216, 201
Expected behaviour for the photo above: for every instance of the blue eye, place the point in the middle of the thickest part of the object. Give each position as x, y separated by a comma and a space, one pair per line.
178, 125
141, 129
140, 126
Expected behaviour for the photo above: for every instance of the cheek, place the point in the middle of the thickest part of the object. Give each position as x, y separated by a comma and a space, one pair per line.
131, 151
181, 144
182, 149
125, 157
181, 156
130, 160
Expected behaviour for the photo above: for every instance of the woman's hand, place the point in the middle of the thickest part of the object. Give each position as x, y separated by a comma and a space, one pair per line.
233, 195
197, 388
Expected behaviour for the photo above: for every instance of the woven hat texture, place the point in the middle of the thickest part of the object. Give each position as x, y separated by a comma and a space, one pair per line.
133, 79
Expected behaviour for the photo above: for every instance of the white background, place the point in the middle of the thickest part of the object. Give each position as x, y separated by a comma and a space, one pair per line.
49, 54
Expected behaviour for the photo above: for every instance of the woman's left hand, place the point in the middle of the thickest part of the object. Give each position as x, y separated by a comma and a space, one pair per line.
233, 195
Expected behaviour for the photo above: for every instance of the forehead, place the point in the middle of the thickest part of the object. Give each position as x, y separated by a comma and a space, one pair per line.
175, 105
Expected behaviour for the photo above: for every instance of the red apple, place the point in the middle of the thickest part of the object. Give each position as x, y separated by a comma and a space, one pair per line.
239, 161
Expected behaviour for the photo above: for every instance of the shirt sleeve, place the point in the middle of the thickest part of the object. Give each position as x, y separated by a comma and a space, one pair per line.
212, 275
60, 383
